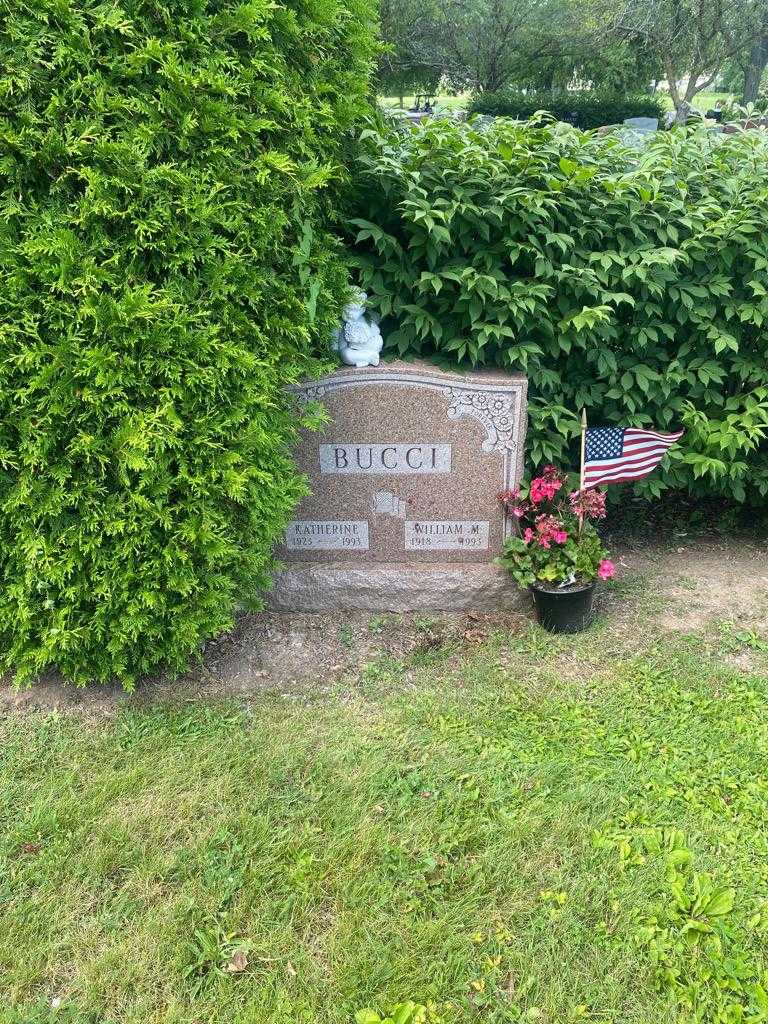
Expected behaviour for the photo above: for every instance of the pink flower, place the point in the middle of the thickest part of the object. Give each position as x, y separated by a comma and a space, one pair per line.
559, 536
506, 497
528, 535
606, 569
544, 489
544, 542
512, 504
547, 524
537, 493
588, 504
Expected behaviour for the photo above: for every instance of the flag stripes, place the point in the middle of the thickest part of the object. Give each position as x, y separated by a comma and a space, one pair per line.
616, 455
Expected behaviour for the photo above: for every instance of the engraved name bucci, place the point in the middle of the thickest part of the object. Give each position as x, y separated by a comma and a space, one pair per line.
408, 458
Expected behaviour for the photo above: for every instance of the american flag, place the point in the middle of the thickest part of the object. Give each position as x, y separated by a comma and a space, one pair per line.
616, 454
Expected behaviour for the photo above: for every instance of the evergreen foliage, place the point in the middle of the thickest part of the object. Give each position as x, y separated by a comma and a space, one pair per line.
632, 282
168, 173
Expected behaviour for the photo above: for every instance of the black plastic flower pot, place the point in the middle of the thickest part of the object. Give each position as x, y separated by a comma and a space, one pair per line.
564, 611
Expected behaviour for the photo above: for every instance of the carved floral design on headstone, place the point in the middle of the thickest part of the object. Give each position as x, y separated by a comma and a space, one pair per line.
495, 411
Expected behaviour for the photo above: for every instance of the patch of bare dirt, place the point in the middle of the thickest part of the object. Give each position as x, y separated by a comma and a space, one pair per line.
702, 584
51, 693
274, 652
268, 653
690, 587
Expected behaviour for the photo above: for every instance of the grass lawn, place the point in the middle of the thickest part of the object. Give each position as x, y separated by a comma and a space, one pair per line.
515, 828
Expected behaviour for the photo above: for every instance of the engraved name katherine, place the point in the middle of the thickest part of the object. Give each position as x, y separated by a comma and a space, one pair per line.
327, 535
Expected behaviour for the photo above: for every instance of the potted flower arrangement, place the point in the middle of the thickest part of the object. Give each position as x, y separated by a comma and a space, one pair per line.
555, 550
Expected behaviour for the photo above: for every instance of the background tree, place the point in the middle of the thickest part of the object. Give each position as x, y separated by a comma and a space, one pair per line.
481, 44
403, 66
757, 59
691, 39
731, 77
485, 45
622, 66
744, 75
472, 44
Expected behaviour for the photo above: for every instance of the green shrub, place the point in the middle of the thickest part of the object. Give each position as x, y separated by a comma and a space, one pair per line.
733, 111
632, 283
168, 172
583, 109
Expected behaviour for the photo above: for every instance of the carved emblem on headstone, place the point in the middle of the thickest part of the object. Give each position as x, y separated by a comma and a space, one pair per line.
495, 410
387, 504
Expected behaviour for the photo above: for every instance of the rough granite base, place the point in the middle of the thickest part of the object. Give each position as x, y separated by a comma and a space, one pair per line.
394, 588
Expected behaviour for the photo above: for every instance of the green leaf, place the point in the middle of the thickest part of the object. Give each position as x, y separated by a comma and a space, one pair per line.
720, 903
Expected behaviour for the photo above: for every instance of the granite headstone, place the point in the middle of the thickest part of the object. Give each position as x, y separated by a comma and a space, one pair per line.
405, 477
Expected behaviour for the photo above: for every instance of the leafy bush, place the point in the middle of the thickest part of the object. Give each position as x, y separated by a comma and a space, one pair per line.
736, 112
630, 283
168, 171
584, 109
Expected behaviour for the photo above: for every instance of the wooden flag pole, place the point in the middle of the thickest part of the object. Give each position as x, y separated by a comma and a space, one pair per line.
583, 446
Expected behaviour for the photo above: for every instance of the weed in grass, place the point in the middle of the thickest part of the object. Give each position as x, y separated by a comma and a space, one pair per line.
686, 583
380, 674
187, 724
733, 639
404, 1013
211, 953
379, 624
346, 637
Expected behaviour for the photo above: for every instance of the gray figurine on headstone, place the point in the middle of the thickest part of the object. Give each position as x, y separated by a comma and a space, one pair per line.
358, 341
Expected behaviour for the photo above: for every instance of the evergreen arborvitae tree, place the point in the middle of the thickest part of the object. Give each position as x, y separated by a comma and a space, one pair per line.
169, 170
